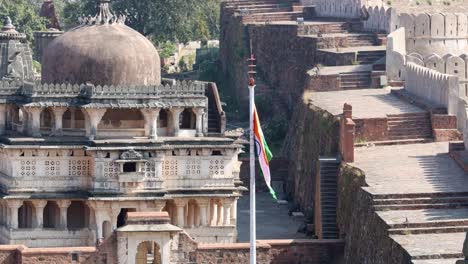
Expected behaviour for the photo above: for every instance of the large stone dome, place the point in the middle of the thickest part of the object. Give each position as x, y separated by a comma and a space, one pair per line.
102, 51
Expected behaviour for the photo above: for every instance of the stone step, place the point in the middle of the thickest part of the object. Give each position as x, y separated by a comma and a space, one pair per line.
420, 206
427, 230
419, 114
410, 132
406, 123
410, 137
395, 142
419, 195
421, 200
431, 224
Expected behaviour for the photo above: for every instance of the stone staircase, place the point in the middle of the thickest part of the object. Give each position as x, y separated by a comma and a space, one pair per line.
359, 40
370, 56
261, 11
355, 80
414, 126
425, 213
420, 201
329, 169
214, 122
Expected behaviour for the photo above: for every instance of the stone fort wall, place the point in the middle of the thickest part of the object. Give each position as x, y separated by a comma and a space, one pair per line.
186, 251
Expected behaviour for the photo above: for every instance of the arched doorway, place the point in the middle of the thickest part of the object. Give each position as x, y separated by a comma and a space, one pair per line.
26, 214
148, 252
163, 123
51, 215
47, 120
77, 215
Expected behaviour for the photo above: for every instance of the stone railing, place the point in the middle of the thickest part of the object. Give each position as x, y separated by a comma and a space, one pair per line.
10, 87
49, 174
224, 234
35, 237
197, 173
179, 89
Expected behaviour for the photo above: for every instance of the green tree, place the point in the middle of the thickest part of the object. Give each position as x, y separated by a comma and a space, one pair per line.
160, 20
25, 16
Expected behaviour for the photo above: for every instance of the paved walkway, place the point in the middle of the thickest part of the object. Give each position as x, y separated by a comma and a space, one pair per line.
416, 168
431, 244
273, 221
367, 103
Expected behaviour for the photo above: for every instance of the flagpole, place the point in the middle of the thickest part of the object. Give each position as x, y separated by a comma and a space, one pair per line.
253, 234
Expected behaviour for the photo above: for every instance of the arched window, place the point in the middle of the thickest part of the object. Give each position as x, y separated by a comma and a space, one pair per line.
187, 119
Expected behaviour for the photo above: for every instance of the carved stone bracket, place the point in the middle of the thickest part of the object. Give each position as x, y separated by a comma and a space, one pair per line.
131, 154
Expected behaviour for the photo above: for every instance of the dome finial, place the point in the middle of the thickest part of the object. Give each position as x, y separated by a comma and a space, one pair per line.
8, 25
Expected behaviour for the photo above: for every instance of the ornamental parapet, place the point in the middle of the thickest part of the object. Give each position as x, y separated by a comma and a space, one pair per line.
178, 89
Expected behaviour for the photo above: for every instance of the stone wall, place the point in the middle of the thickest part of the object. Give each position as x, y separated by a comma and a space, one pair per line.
438, 33
338, 8
379, 18
369, 245
274, 252
436, 88
313, 132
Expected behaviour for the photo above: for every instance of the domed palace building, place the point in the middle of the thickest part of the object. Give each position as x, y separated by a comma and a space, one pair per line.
102, 136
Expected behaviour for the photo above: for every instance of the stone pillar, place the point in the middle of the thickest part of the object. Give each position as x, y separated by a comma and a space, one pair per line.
203, 205
58, 117
175, 114
94, 117
13, 206
39, 206
199, 123
220, 214
3, 118
72, 117
35, 121
227, 203
99, 221
214, 213
151, 119
191, 215
234, 212
180, 205
63, 206
114, 214
347, 134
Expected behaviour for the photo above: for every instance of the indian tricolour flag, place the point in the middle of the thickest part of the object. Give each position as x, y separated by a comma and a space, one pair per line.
263, 152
